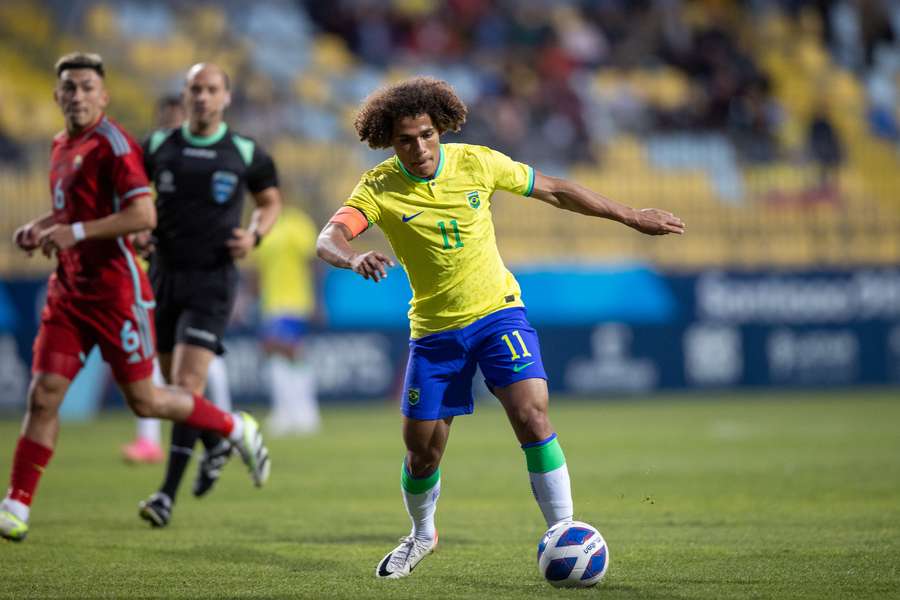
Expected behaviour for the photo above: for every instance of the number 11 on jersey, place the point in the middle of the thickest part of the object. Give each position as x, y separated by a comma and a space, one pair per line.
459, 243
518, 336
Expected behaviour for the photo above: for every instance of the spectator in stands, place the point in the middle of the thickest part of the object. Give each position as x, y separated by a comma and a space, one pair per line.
824, 144
170, 111
11, 153
753, 121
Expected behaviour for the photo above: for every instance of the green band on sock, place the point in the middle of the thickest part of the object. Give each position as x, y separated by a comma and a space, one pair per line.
542, 459
418, 486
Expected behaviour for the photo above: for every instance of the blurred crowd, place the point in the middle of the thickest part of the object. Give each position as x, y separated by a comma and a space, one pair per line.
528, 66
715, 104
570, 73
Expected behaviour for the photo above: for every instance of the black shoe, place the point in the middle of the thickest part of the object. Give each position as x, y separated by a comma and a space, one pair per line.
210, 468
157, 509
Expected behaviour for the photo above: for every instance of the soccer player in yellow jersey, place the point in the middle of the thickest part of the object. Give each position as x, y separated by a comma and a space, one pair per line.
433, 203
287, 296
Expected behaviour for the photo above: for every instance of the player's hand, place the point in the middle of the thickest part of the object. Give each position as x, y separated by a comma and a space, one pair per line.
371, 265
56, 238
241, 242
654, 221
144, 243
26, 237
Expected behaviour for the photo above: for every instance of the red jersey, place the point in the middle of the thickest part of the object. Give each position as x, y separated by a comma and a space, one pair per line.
92, 175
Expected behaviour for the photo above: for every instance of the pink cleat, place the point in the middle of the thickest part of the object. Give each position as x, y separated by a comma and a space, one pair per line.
143, 451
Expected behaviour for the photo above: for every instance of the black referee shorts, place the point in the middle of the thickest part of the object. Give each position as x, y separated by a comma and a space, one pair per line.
193, 306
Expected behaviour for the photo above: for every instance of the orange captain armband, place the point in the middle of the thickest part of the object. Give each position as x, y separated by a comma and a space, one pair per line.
352, 218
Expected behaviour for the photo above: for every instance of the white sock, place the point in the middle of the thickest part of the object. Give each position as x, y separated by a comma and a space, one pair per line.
237, 431
421, 508
304, 408
22, 511
553, 492
217, 384
148, 429
281, 385
158, 379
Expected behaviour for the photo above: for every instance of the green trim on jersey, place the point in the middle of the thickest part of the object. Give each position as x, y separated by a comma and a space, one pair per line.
245, 147
530, 182
157, 138
437, 171
197, 140
546, 458
449, 252
418, 486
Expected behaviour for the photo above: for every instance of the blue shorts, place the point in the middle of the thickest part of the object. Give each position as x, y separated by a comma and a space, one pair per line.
441, 366
284, 330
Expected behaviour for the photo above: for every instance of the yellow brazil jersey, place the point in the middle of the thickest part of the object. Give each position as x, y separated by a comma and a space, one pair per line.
283, 262
442, 233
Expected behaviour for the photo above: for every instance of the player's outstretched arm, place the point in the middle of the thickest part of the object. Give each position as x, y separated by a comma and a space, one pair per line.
138, 215
571, 196
333, 246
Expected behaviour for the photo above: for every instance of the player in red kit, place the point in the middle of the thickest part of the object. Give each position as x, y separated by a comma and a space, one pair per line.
98, 295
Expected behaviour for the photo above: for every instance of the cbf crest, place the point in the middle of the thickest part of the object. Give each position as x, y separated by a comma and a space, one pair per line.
474, 199
412, 396
223, 186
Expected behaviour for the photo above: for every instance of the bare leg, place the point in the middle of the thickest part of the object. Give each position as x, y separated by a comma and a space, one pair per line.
189, 368
190, 364
421, 476
420, 482
425, 443
40, 429
165, 365
146, 447
146, 400
526, 407
45, 396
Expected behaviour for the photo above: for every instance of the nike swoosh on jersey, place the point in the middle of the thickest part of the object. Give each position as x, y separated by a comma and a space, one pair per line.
411, 217
517, 368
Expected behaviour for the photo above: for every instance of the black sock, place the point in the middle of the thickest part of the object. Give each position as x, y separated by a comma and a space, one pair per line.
210, 439
183, 440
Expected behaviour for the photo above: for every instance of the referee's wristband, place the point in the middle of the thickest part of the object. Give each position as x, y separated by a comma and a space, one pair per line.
78, 231
257, 238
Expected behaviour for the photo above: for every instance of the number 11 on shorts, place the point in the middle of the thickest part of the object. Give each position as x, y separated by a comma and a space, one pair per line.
515, 355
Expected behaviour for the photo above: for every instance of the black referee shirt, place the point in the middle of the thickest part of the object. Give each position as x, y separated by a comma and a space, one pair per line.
200, 185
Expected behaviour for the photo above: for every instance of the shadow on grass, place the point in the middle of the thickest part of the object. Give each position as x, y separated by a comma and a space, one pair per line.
242, 556
358, 538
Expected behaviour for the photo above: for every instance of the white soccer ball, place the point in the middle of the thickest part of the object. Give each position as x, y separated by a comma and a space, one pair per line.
573, 554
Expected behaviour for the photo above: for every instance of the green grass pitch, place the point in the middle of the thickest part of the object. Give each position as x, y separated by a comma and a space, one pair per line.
748, 496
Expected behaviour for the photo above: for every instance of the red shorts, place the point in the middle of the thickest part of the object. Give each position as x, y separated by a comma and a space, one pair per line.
69, 330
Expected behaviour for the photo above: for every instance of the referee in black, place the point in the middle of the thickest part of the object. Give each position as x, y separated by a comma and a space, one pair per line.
200, 171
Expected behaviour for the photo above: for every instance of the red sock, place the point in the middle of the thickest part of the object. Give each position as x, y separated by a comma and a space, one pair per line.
207, 416
28, 466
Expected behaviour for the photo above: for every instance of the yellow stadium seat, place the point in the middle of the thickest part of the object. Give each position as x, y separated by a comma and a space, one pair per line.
331, 56
100, 22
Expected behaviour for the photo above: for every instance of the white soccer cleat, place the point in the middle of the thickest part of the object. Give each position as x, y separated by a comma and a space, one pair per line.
400, 561
253, 451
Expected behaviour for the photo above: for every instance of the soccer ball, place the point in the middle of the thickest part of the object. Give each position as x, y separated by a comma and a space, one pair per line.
572, 554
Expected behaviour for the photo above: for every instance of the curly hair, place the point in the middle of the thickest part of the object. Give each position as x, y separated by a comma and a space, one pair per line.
374, 122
